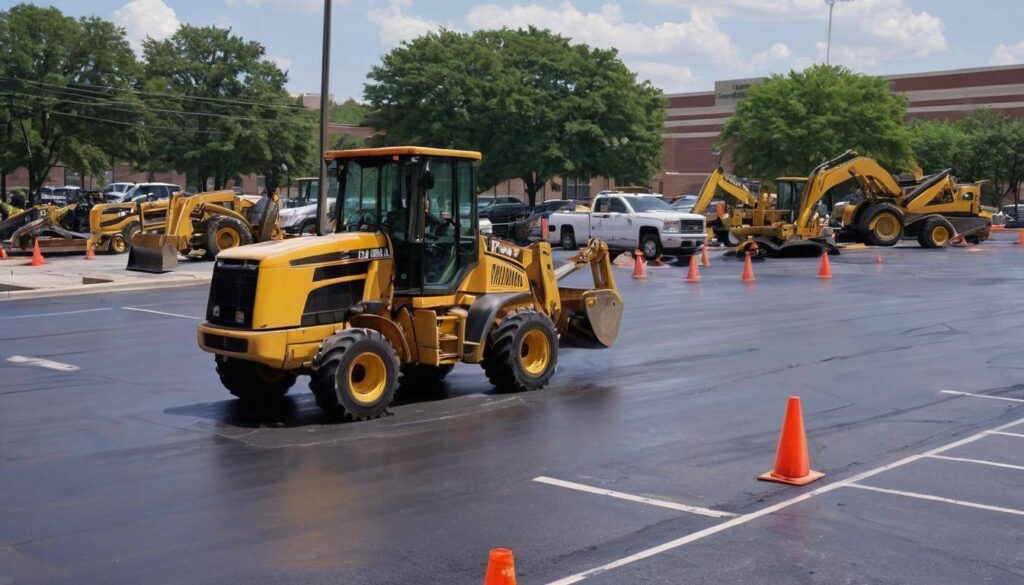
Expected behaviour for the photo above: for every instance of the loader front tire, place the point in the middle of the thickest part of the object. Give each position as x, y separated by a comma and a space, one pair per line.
356, 374
252, 382
223, 233
936, 233
881, 225
521, 352
122, 242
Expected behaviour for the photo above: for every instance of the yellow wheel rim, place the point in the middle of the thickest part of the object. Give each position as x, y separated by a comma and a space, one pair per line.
886, 226
117, 244
535, 352
940, 235
226, 238
367, 377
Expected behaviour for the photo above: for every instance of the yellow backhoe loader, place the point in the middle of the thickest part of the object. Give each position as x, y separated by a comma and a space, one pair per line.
934, 212
749, 209
113, 225
205, 223
57, 229
405, 287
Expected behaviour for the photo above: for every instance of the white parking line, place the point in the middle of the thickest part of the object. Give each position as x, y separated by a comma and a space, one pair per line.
956, 393
56, 314
737, 521
42, 363
1005, 434
630, 497
161, 313
932, 498
978, 461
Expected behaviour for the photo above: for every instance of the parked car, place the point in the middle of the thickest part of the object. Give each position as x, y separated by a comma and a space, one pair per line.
57, 195
1014, 215
628, 222
546, 208
509, 220
684, 203
145, 192
114, 192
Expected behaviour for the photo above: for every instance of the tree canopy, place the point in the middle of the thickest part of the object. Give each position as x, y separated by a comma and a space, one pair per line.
63, 81
535, 104
986, 145
790, 124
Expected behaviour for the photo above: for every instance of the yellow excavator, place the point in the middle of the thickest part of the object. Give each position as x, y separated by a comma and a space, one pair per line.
204, 223
402, 290
935, 211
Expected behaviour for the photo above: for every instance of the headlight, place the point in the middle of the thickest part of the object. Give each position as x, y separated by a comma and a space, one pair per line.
671, 226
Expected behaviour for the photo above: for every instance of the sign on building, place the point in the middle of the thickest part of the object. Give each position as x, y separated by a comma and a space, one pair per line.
730, 91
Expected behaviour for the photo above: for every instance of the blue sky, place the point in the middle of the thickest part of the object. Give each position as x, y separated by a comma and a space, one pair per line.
680, 45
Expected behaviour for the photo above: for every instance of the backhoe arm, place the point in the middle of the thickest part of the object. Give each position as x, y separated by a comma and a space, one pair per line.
729, 185
872, 178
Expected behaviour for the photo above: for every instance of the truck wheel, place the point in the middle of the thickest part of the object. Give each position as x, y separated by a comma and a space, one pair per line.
308, 227
252, 382
650, 245
882, 225
122, 242
423, 377
935, 233
568, 240
223, 232
355, 374
522, 351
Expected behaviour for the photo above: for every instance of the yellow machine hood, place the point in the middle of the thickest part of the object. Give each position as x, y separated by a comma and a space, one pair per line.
307, 250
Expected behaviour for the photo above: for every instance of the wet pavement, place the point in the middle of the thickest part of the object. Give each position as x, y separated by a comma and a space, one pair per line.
122, 460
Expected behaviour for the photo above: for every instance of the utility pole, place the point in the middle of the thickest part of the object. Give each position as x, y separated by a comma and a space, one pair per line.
828, 45
325, 76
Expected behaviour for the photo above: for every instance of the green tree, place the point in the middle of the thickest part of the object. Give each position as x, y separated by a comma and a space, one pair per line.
790, 124
536, 105
229, 105
65, 83
937, 145
348, 112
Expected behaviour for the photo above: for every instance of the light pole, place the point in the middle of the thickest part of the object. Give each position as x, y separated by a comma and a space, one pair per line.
828, 46
325, 75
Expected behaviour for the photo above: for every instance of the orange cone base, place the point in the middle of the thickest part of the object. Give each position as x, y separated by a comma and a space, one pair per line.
811, 476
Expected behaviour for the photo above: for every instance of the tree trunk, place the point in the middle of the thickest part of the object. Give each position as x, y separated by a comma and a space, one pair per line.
532, 187
3, 187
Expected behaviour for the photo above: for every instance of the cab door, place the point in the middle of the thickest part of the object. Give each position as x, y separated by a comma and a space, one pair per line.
620, 224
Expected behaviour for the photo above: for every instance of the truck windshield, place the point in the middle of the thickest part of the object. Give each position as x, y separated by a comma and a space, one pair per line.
649, 204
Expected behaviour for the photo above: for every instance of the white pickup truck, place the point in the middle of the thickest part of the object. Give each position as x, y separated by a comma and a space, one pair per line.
628, 222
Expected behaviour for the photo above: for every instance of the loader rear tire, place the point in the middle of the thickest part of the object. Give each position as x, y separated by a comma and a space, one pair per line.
252, 382
882, 225
122, 242
223, 233
935, 233
356, 374
521, 352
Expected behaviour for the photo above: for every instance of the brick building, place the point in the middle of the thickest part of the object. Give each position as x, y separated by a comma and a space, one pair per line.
695, 119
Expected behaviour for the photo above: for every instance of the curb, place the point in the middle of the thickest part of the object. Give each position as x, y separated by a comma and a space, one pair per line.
99, 288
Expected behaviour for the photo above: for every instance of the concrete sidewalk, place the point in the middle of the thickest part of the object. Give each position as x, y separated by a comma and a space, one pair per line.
66, 274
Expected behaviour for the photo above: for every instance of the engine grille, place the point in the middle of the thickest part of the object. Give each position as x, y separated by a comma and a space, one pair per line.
505, 276
691, 226
232, 293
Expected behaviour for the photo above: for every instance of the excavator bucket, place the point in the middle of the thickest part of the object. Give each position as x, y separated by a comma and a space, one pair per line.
590, 318
154, 253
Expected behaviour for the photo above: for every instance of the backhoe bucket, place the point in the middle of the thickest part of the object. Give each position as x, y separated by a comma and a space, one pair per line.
590, 318
152, 253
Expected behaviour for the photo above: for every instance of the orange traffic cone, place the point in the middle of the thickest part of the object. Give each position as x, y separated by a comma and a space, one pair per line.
89, 253
792, 464
37, 256
639, 265
704, 260
3, 253
1020, 238
878, 260
543, 229
501, 568
693, 274
748, 269
824, 269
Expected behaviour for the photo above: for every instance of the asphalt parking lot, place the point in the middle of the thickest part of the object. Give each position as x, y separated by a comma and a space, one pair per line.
122, 460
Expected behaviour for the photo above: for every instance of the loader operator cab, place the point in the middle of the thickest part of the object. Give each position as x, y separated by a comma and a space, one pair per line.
424, 200
790, 191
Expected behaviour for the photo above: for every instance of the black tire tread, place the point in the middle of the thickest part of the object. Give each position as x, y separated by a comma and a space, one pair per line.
499, 355
215, 223
321, 381
240, 378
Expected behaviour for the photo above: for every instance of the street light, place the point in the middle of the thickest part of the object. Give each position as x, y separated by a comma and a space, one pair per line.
325, 74
828, 46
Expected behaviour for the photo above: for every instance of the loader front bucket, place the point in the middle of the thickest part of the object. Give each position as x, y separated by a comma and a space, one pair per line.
154, 253
590, 318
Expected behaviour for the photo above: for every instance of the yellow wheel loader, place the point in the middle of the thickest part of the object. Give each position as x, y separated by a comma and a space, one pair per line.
112, 226
402, 290
935, 211
203, 224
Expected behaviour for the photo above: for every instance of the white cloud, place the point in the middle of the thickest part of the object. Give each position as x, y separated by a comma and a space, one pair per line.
282, 62
146, 18
669, 78
1008, 54
698, 36
395, 26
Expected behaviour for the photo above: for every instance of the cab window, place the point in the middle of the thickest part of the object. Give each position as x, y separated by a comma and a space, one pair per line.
616, 205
